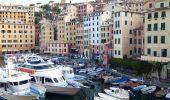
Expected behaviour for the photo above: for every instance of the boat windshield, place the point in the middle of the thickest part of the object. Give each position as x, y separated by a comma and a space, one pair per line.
55, 79
23, 82
61, 79
39, 67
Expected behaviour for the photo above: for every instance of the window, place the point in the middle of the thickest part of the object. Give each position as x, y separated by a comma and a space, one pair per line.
119, 41
155, 39
149, 15
161, 5
155, 27
134, 41
115, 52
164, 52
130, 41
119, 52
162, 39
125, 22
2, 26
130, 31
149, 51
23, 82
149, 27
125, 13
115, 41
139, 41
150, 5
163, 14
48, 80
134, 50
149, 39
130, 52
156, 15
162, 26
154, 53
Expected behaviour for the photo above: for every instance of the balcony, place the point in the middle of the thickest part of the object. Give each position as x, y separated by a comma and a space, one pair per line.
156, 59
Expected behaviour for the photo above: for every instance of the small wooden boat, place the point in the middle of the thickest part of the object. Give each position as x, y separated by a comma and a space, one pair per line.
148, 90
168, 96
161, 93
107, 97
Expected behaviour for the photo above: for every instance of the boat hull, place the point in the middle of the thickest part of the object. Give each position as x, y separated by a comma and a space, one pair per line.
62, 90
7, 96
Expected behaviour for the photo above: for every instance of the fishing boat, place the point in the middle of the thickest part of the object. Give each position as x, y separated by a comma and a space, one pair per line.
116, 94
167, 96
15, 85
107, 97
46, 74
161, 93
148, 90
131, 85
122, 91
139, 88
121, 80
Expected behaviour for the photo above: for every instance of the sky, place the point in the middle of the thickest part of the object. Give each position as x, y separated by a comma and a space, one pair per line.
27, 2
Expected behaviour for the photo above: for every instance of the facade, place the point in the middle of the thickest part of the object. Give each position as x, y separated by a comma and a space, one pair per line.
157, 39
59, 48
80, 37
70, 34
46, 35
93, 23
84, 9
37, 33
17, 29
124, 23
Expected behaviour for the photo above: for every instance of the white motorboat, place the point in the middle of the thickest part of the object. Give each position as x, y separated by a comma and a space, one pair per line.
168, 96
46, 74
107, 97
67, 71
116, 94
99, 98
15, 85
148, 90
122, 91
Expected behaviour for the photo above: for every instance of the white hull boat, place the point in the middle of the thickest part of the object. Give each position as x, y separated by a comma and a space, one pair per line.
107, 97
167, 96
122, 91
148, 90
116, 94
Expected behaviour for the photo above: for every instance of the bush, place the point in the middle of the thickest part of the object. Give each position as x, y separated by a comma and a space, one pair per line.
141, 67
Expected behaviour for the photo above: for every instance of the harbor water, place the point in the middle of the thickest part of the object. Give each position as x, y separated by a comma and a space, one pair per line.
88, 94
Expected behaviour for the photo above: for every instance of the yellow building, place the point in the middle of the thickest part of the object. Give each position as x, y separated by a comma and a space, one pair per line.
17, 30
157, 37
70, 35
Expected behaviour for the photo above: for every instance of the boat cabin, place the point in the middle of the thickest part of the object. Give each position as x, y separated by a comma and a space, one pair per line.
50, 78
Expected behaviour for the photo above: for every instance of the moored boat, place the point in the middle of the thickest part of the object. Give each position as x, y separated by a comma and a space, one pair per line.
167, 96
161, 93
122, 91
107, 97
121, 80
148, 90
139, 88
116, 94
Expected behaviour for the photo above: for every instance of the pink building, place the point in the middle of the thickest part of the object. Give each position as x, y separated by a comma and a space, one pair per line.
98, 6
84, 9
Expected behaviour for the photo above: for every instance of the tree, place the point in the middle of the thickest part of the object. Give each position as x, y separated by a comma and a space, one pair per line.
56, 9
46, 8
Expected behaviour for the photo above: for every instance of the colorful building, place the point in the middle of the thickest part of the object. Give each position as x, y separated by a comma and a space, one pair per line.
17, 28
59, 48
46, 35
157, 38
